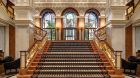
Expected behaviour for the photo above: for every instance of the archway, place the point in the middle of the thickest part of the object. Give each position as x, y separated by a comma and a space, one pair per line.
91, 23
48, 23
70, 23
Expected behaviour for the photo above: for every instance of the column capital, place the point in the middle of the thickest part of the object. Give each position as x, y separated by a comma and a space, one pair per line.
38, 16
81, 17
102, 16
59, 17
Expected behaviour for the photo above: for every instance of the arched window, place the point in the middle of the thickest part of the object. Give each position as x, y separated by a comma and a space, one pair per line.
48, 23
91, 20
70, 19
48, 20
70, 24
91, 23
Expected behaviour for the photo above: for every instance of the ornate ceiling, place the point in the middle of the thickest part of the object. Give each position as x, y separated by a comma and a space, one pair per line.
59, 5
70, 3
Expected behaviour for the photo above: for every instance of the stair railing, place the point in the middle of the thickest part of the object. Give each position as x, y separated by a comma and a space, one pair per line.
40, 38
113, 56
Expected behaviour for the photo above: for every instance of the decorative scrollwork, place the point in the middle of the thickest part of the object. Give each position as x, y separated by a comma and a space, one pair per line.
41, 38
100, 39
101, 33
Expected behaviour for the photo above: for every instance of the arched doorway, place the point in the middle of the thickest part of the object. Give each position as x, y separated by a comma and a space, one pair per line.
91, 23
48, 23
70, 24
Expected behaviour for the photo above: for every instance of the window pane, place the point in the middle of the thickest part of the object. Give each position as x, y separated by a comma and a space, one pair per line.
49, 24
91, 22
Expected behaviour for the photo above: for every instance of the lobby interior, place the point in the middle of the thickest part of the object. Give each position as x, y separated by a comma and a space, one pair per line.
70, 38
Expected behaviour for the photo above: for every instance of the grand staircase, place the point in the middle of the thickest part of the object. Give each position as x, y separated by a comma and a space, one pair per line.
71, 59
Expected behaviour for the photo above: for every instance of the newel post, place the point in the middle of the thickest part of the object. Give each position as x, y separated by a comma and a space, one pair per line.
22, 62
118, 59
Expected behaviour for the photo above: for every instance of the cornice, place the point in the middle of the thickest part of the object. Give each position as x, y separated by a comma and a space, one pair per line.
24, 8
6, 22
75, 5
117, 23
23, 22
136, 23
118, 7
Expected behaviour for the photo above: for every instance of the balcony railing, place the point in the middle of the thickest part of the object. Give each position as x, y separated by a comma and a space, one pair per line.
9, 8
131, 8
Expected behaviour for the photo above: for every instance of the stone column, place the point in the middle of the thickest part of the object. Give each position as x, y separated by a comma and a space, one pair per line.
24, 13
37, 21
116, 27
58, 27
102, 20
136, 36
118, 59
81, 27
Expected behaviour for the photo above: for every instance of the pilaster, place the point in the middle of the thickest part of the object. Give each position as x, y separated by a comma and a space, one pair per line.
116, 32
24, 13
37, 21
58, 25
116, 23
102, 20
81, 27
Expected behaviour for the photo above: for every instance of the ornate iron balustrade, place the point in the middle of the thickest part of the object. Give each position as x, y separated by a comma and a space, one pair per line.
40, 40
89, 33
113, 56
51, 33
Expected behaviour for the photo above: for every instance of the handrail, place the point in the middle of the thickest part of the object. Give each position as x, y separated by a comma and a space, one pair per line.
28, 56
38, 44
104, 46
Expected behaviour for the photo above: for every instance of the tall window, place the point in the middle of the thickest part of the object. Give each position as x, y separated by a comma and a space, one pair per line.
70, 24
70, 20
48, 22
91, 20
91, 23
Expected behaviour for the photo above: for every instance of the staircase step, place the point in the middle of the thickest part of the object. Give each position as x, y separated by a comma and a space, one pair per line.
71, 71
71, 53
70, 60
50, 67
71, 76
70, 47
70, 56
71, 63
69, 50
